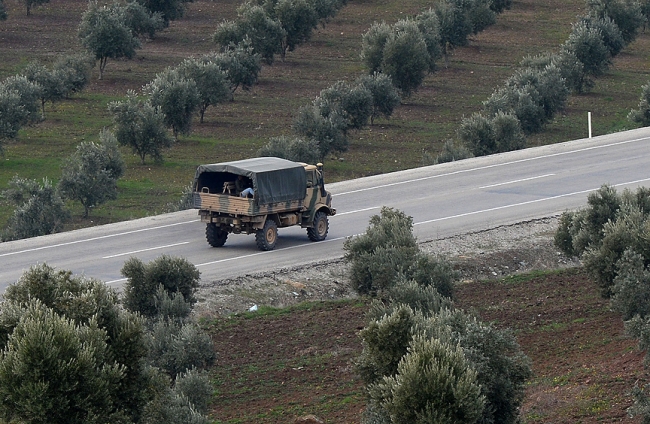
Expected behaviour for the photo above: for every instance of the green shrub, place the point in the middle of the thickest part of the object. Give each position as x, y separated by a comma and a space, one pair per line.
39, 210
424, 298
196, 387
631, 291
434, 383
630, 230
176, 275
292, 148
52, 320
176, 347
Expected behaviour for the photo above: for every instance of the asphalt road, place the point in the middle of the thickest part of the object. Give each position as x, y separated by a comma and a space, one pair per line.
444, 200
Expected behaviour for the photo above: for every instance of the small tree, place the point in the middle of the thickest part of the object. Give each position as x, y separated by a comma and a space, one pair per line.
405, 58
626, 14
177, 98
291, 148
373, 42
52, 84
90, 174
18, 106
141, 20
455, 26
3, 11
169, 10
240, 63
38, 211
30, 94
430, 28
384, 251
588, 46
140, 126
74, 71
211, 82
641, 115
485, 136
479, 12
175, 275
385, 97
298, 19
612, 36
104, 32
352, 102
328, 131
434, 383
71, 353
452, 150
631, 291
176, 347
264, 33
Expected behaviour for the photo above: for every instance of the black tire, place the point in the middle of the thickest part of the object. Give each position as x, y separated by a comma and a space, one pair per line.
267, 236
321, 227
216, 236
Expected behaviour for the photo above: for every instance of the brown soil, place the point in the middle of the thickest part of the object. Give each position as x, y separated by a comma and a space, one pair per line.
274, 369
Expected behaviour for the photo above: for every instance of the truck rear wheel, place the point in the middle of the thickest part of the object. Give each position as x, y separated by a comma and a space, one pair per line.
267, 236
215, 235
321, 226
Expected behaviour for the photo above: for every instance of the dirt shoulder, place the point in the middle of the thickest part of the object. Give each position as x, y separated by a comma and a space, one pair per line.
488, 254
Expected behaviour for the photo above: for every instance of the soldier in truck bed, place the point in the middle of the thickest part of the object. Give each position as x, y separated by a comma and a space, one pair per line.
243, 186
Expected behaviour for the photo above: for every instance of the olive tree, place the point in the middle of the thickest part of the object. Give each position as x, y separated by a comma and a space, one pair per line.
429, 26
51, 82
168, 10
385, 97
291, 148
74, 71
140, 126
373, 42
141, 20
176, 97
328, 131
488, 135
12, 114
455, 26
211, 82
641, 115
240, 63
254, 24
175, 275
353, 102
405, 57
587, 44
39, 210
71, 354
104, 32
626, 14
90, 174
19, 99
298, 19
391, 335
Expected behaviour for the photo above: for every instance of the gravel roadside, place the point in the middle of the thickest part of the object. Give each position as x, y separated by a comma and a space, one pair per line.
487, 254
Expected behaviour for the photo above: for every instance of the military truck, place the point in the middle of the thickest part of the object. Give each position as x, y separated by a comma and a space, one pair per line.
284, 193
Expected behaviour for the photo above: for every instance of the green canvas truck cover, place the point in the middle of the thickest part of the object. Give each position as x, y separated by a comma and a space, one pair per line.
274, 179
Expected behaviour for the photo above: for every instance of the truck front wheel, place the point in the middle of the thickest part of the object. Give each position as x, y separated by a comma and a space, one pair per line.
321, 226
215, 235
267, 236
